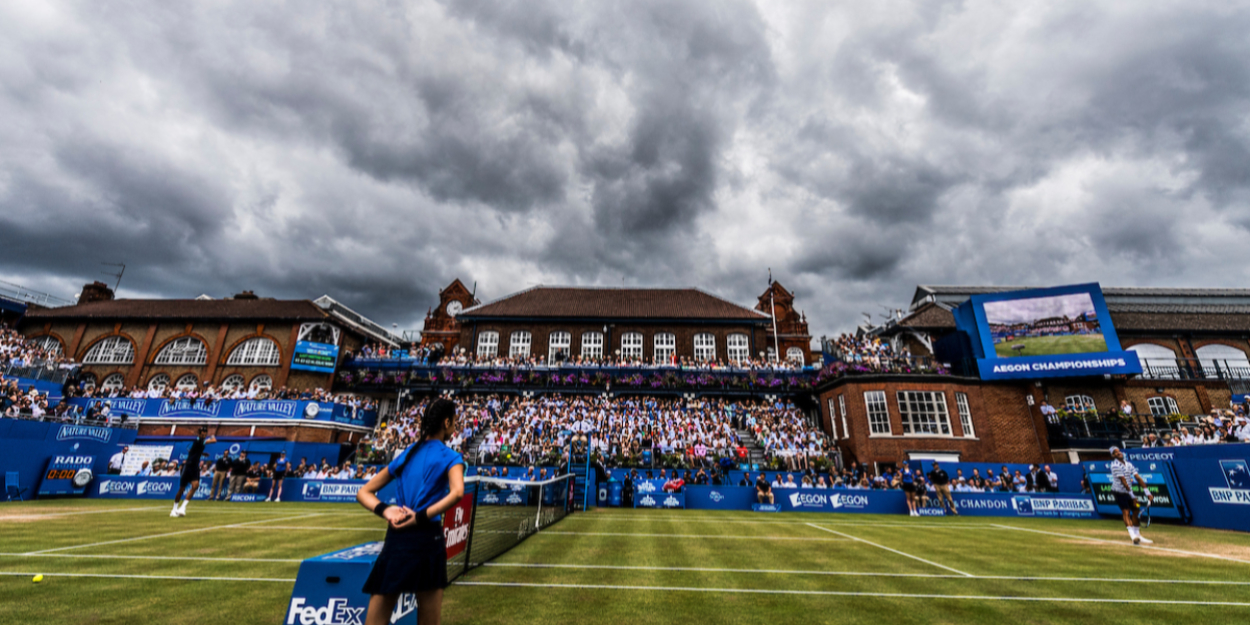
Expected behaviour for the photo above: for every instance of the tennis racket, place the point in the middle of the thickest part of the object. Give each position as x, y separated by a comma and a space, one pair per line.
1145, 511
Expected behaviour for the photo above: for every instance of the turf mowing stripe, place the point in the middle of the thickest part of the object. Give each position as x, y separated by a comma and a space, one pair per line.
555, 533
19, 517
191, 531
123, 557
837, 593
314, 527
1127, 544
866, 542
48, 576
859, 574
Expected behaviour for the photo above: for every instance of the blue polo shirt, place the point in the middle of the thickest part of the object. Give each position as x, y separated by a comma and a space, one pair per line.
423, 481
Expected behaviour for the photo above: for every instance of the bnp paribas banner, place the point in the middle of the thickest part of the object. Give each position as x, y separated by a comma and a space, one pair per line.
269, 409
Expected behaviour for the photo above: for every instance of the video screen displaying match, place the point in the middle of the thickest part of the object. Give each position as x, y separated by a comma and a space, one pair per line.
1042, 326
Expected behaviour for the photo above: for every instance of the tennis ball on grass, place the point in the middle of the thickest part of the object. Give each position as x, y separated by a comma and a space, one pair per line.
37, 579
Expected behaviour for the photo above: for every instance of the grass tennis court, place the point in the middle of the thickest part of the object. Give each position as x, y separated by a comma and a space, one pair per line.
236, 564
1048, 345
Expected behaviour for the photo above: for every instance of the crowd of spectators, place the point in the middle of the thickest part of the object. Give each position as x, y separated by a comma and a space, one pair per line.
16, 351
462, 358
1221, 426
869, 351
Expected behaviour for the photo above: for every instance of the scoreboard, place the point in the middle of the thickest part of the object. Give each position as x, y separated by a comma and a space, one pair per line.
67, 474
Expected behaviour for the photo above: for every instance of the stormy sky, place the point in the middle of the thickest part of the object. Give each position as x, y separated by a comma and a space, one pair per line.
376, 151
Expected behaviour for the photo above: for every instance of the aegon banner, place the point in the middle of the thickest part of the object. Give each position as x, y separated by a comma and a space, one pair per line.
269, 409
1072, 506
316, 491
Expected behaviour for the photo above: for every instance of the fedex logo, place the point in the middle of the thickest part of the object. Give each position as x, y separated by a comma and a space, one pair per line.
336, 612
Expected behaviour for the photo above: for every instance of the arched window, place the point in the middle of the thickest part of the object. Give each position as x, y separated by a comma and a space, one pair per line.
1162, 406
558, 343
187, 382
1079, 403
158, 383
592, 345
262, 383
114, 350
1157, 361
665, 347
48, 344
631, 345
1223, 361
738, 348
187, 350
488, 344
796, 356
87, 381
519, 344
233, 383
256, 352
113, 382
704, 347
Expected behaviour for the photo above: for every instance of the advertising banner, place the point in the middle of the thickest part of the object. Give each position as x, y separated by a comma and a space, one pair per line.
1072, 506
660, 500
1213, 479
456, 526
68, 473
318, 357
296, 490
328, 590
270, 409
1037, 333
1160, 479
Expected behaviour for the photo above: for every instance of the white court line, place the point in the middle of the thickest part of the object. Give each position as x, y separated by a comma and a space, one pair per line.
940, 566
49, 515
836, 593
555, 533
175, 577
794, 522
860, 574
122, 557
191, 531
1125, 543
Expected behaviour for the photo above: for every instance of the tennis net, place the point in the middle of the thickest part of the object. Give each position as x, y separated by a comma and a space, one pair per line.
495, 515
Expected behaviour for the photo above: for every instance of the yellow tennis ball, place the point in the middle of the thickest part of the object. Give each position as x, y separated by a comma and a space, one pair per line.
37, 579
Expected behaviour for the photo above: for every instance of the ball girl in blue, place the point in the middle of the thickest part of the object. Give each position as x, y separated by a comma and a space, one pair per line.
909, 487
430, 480
280, 467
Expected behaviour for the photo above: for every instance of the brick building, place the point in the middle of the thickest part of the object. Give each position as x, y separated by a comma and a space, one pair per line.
442, 328
649, 324
240, 341
789, 334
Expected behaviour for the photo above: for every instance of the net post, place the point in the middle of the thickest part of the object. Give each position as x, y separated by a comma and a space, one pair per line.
538, 518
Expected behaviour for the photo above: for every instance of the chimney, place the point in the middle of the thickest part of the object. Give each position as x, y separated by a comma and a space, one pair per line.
246, 295
95, 292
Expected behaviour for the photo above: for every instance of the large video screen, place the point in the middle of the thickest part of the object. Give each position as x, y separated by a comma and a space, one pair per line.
1053, 332
1043, 326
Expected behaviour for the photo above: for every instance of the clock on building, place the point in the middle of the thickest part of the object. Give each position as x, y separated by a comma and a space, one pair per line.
453, 308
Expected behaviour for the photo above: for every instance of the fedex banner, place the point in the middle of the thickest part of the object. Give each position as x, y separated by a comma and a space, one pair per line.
269, 409
327, 590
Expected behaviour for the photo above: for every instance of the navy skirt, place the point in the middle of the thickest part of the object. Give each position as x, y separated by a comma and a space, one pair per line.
412, 560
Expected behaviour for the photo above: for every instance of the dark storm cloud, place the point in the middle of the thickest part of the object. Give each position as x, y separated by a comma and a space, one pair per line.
376, 152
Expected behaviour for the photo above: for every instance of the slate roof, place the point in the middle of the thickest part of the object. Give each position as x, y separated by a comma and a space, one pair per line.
298, 310
612, 303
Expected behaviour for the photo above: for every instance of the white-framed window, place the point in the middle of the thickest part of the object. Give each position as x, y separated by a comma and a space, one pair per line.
631, 345
233, 383
488, 344
665, 347
519, 344
255, 352
878, 412
114, 350
558, 343
795, 355
1157, 362
1223, 361
738, 348
48, 344
592, 345
1079, 403
924, 412
965, 414
187, 350
187, 382
1162, 406
704, 347
158, 383
261, 383
833, 419
114, 382
846, 432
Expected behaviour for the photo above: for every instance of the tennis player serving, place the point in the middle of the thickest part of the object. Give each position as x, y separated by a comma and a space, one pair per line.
430, 480
1122, 471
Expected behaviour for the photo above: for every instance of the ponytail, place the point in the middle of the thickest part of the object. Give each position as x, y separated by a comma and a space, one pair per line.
436, 413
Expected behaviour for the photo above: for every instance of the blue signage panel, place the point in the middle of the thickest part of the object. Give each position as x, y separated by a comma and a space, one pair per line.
63, 468
660, 500
1214, 481
1037, 333
328, 590
1160, 479
270, 409
1071, 506
318, 357
294, 490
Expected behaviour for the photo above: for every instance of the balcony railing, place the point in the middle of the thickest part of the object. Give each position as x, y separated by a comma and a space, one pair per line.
40, 372
1194, 369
